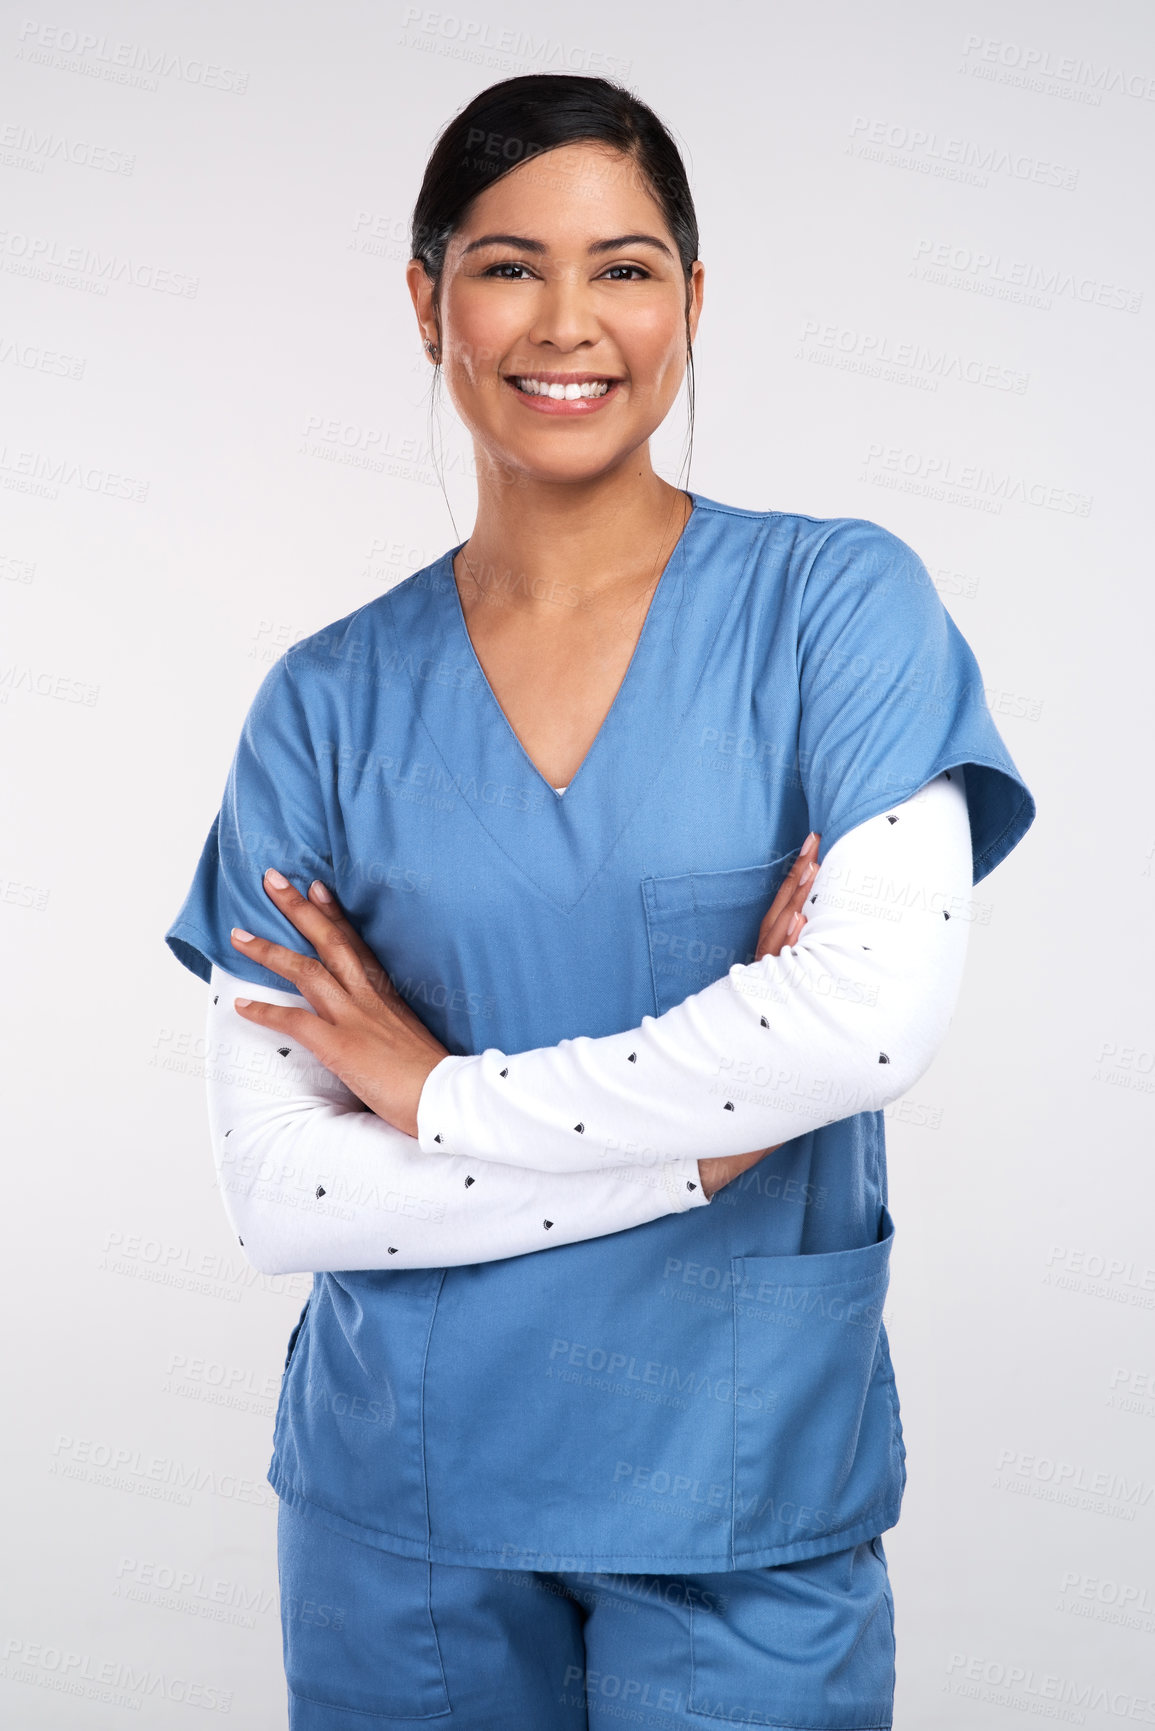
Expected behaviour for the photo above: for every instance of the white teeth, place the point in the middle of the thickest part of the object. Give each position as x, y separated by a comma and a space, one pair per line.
539, 388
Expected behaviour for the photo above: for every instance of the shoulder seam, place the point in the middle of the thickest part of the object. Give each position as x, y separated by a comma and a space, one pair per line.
794, 516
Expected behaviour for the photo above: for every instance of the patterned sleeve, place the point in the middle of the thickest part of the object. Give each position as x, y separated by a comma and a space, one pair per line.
311, 1180
843, 1021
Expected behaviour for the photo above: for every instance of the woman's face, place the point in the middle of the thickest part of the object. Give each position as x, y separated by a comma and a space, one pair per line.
584, 283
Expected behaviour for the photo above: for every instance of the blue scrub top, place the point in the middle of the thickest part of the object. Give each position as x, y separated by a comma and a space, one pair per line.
713, 1389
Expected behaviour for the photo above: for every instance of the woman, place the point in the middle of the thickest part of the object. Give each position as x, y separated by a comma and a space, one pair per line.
572, 1109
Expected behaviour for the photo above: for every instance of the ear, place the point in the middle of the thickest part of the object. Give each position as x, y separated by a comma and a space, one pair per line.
697, 286
421, 287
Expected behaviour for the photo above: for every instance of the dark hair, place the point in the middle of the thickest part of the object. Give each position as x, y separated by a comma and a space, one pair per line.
515, 120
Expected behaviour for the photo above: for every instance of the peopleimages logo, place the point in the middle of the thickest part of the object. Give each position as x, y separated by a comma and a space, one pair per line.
1004, 278
914, 147
1036, 65
941, 476
115, 1682
135, 63
622, 1368
1031, 1689
901, 360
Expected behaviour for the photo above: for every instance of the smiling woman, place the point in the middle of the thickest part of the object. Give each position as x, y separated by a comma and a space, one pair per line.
547, 1414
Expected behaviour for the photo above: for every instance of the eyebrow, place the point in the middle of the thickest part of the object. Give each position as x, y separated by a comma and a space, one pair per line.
595, 247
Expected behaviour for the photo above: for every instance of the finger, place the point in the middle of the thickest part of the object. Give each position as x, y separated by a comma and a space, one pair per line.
305, 974
796, 887
376, 975
321, 897
776, 927
784, 931
330, 938
796, 883
299, 1026
804, 882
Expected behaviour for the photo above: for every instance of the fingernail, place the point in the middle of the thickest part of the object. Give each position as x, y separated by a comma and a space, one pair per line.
275, 878
241, 1002
794, 919
318, 889
807, 844
245, 937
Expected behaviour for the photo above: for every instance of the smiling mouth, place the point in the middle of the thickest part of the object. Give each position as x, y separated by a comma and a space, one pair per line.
569, 391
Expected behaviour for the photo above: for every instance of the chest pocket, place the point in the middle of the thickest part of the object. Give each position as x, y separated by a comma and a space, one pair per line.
699, 924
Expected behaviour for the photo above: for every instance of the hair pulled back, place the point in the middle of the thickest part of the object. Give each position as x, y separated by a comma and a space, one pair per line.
518, 119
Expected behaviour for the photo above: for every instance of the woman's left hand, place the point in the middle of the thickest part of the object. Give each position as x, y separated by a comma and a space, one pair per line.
363, 1031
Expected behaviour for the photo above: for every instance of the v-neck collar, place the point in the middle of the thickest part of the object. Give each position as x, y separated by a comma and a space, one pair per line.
460, 629
558, 844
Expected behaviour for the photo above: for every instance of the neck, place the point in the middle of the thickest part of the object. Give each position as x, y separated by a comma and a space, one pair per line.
537, 543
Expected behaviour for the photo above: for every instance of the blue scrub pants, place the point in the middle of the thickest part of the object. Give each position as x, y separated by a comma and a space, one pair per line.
372, 1639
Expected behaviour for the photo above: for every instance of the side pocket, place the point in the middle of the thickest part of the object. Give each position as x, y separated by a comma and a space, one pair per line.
817, 1449
699, 924
282, 1392
359, 1639
876, 1546
297, 1327
803, 1646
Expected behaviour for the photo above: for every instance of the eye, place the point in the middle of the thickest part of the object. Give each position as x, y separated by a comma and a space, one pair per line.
636, 268
506, 264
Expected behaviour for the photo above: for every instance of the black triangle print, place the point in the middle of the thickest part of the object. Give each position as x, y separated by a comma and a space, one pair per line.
632, 1059
890, 819
437, 1138
240, 1241
765, 1023
229, 1132
945, 915
729, 1106
580, 1128
470, 1181
690, 1185
284, 1050
504, 1072
320, 1191
392, 1249
217, 999
547, 1224
883, 1059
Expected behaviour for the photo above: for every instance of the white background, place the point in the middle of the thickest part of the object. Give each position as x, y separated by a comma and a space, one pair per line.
928, 246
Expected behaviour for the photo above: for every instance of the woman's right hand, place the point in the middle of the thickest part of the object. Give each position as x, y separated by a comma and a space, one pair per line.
782, 925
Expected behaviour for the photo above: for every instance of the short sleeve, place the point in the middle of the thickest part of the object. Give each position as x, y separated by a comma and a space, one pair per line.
273, 813
892, 695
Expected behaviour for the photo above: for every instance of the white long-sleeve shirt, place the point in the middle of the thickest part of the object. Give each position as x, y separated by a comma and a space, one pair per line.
312, 1180
847, 1018
843, 1021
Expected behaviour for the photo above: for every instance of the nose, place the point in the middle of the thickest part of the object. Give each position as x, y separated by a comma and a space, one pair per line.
564, 316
